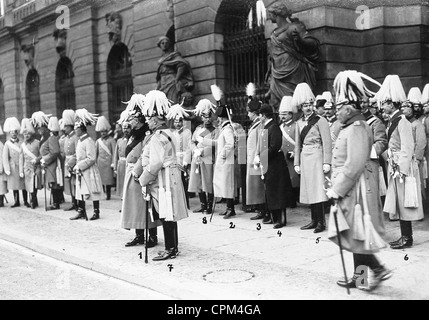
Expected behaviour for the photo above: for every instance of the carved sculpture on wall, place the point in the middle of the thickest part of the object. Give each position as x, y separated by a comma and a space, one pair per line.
174, 76
114, 24
28, 55
60, 41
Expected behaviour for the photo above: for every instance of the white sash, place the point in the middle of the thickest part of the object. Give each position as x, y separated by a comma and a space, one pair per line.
105, 148
28, 152
12, 146
288, 137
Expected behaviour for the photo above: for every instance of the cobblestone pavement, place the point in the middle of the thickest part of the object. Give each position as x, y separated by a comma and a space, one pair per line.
218, 260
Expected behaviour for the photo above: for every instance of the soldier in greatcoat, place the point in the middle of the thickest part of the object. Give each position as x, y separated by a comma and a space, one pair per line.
29, 170
119, 156
89, 186
105, 147
255, 188
11, 153
424, 101
133, 211
223, 177
203, 156
353, 183
70, 143
288, 129
412, 110
270, 159
161, 176
379, 146
48, 158
183, 137
401, 161
313, 155
3, 177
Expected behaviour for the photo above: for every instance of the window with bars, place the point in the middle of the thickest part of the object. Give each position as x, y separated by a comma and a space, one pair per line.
65, 92
245, 54
32, 92
119, 78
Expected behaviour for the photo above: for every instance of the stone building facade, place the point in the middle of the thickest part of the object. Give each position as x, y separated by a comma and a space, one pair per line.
109, 50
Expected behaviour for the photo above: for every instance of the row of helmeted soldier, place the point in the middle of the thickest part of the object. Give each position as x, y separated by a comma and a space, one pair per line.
47, 158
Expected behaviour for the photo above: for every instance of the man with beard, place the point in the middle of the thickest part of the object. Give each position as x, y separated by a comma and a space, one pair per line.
400, 158
313, 155
353, 185
133, 211
161, 178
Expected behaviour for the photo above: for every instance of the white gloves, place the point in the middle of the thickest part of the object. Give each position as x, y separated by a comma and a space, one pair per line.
331, 194
256, 161
197, 153
7, 173
21, 175
200, 139
297, 169
326, 168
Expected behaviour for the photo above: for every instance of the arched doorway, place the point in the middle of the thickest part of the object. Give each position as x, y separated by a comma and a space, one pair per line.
245, 54
32, 92
119, 79
65, 92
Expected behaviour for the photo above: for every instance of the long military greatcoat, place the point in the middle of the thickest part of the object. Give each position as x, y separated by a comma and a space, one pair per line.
401, 152
310, 155
105, 149
255, 188
89, 185
201, 174
120, 164
224, 171
133, 212
3, 177
28, 167
160, 167
50, 151
351, 158
11, 153
419, 136
278, 188
70, 143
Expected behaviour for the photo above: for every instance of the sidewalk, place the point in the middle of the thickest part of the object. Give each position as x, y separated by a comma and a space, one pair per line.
216, 261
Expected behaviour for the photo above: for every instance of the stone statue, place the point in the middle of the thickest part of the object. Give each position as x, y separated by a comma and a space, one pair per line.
60, 37
293, 57
114, 24
174, 76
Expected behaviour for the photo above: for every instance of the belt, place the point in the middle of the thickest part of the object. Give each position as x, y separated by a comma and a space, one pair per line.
122, 159
311, 146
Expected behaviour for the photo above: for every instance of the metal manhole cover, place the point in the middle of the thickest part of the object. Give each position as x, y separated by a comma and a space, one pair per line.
228, 276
